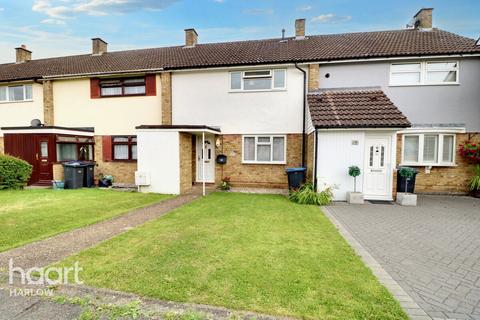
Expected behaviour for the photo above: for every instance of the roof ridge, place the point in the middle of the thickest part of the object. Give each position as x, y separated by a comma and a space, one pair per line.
244, 41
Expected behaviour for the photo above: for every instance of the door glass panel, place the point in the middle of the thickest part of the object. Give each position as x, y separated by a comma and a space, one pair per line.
370, 161
382, 156
44, 149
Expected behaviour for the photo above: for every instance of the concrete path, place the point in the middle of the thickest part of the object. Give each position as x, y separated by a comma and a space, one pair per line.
69, 302
432, 251
45, 252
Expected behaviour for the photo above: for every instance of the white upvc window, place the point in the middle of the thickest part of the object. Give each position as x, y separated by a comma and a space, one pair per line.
429, 149
268, 149
15, 93
424, 73
258, 80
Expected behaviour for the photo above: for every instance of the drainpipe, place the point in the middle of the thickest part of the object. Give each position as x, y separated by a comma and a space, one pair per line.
315, 146
304, 111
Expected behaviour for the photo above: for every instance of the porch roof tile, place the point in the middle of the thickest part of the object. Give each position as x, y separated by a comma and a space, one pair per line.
354, 108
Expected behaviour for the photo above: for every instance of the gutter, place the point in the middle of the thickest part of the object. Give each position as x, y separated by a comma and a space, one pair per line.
304, 111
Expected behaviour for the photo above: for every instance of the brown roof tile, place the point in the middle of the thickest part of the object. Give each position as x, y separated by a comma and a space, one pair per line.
313, 48
354, 108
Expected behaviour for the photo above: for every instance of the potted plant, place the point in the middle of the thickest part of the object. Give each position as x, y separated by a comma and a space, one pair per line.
406, 198
471, 152
354, 197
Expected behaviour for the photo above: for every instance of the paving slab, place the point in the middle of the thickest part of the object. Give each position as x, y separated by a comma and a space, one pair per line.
432, 251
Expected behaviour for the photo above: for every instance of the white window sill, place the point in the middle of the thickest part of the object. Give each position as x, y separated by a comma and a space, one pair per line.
21, 101
416, 164
264, 162
263, 90
425, 84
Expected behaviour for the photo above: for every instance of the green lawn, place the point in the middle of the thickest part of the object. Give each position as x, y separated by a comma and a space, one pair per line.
249, 252
30, 215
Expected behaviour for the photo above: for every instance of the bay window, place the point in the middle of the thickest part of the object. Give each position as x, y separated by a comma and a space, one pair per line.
16, 93
258, 80
429, 149
424, 73
124, 148
264, 149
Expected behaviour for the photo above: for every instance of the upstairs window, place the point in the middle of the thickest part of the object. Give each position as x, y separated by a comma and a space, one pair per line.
258, 80
16, 93
429, 149
424, 73
124, 148
122, 87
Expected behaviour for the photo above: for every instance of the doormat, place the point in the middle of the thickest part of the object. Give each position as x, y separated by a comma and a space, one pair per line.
380, 202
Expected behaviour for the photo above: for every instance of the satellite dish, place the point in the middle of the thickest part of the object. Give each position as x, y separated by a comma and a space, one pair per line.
36, 123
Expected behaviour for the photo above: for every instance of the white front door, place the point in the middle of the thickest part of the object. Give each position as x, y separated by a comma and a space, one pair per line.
209, 158
377, 169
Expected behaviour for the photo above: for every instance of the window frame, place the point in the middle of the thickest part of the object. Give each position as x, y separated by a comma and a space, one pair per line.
424, 72
123, 85
243, 77
78, 144
271, 136
7, 93
439, 151
128, 143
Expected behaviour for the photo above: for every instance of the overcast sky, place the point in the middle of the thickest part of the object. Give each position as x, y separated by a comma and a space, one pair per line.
62, 27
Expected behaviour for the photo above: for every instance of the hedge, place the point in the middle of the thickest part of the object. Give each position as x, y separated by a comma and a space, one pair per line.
14, 172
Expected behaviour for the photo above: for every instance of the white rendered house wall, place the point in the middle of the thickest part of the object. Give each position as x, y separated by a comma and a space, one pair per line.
159, 158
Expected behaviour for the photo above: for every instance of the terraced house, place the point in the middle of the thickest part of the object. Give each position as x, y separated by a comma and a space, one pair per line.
371, 99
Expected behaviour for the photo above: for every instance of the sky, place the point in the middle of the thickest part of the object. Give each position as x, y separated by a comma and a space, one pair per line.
52, 28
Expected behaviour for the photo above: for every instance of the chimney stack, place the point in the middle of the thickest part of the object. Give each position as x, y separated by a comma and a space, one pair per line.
22, 54
423, 19
300, 29
99, 46
191, 37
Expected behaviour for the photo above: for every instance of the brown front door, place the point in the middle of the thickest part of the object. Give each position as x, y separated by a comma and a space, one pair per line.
44, 165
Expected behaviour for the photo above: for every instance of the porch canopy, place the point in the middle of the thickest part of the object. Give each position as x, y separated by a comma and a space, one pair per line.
165, 157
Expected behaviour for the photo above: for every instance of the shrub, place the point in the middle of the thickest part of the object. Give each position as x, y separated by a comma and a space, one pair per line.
14, 172
354, 172
306, 195
225, 184
475, 181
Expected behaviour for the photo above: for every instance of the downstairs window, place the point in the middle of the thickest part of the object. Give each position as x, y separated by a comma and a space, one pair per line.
124, 148
71, 148
428, 149
264, 149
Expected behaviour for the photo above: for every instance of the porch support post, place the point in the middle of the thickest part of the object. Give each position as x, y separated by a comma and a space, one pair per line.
203, 162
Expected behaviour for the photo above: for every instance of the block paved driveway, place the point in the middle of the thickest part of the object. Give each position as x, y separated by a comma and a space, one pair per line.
432, 250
